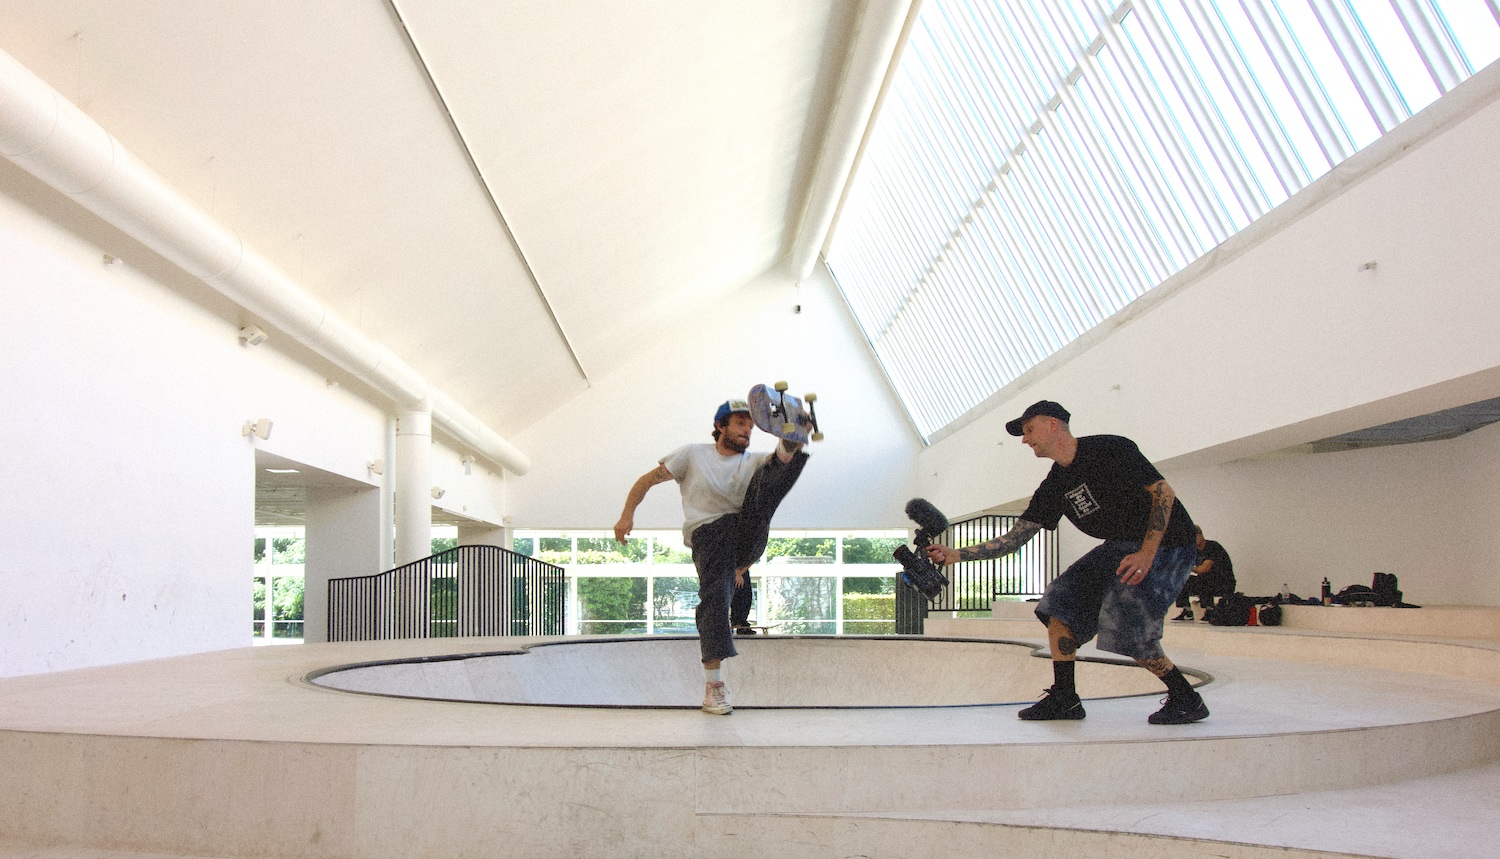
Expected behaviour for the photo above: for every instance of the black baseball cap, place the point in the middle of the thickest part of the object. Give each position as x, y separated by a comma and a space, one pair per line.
1040, 407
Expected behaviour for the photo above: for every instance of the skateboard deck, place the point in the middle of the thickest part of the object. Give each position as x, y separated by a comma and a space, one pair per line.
783, 415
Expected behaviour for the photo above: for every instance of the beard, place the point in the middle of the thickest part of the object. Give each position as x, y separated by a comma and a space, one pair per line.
735, 444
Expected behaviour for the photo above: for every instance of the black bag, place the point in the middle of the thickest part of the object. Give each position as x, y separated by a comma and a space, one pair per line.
1385, 590
1270, 615
1356, 595
1233, 610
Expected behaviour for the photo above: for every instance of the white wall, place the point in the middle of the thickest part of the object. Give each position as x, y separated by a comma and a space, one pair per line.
1425, 512
586, 455
344, 533
126, 488
476, 492
1287, 341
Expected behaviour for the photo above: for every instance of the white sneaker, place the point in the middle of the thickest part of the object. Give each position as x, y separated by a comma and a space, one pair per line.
716, 699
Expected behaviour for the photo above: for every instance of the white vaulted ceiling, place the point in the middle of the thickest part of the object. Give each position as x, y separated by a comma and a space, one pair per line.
507, 195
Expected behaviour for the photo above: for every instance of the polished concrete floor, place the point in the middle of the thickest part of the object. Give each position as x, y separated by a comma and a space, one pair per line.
1321, 743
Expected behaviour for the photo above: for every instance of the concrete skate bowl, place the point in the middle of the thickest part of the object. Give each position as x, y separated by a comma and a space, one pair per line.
777, 672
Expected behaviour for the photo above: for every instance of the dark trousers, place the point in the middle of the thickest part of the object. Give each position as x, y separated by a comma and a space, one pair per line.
1205, 588
731, 542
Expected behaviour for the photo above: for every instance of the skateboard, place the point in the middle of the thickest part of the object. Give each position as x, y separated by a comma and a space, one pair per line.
783, 415
765, 629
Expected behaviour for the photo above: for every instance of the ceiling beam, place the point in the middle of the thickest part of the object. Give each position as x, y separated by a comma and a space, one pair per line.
484, 182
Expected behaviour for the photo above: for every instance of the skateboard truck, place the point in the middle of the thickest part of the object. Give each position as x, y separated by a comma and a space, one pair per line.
780, 410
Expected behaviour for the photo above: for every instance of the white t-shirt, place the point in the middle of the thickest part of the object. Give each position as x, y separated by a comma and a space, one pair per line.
713, 485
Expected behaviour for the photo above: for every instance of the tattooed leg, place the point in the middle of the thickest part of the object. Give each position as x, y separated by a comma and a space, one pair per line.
1060, 638
1160, 665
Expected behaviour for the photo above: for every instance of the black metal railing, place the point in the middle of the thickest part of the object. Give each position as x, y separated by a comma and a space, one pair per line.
974, 585
467, 590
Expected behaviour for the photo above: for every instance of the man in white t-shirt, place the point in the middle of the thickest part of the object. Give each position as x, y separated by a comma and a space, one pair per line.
728, 497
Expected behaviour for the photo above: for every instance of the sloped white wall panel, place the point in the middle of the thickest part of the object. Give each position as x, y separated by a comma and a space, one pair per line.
586, 455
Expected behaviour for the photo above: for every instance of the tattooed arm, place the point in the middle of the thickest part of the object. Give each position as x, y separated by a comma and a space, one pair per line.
1134, 567
643, 484
1002, 545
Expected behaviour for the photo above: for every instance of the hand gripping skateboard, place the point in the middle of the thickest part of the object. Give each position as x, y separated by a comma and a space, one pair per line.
783, 415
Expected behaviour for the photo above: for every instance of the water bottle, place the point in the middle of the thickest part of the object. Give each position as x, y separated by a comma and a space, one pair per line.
1327, 592
1286, 592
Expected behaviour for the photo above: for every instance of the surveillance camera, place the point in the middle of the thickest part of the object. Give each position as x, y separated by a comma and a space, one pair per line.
260, 428
251, 335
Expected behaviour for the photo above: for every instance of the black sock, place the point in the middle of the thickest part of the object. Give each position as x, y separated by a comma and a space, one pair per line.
1177, 684
1062, 676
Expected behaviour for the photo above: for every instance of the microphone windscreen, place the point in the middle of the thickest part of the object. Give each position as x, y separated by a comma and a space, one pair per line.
921, 511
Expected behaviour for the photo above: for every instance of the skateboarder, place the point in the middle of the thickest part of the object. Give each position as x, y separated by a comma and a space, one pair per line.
1121, 589
728, 497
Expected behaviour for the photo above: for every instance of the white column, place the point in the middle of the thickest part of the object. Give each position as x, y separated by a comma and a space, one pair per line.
413, 484
388, 498
343, 530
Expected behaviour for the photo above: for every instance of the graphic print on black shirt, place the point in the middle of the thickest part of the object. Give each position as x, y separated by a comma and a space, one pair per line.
1083, 502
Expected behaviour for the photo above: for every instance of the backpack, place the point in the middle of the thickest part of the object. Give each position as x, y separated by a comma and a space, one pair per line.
1233, 610
1385, 590
1270, 615
1356, 595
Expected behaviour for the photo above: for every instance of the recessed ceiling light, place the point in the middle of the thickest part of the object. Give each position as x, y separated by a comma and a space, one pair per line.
283, 471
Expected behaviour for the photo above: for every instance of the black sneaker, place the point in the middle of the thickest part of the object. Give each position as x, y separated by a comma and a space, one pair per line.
1187, 614
1180, 710
744, 630
1056, 704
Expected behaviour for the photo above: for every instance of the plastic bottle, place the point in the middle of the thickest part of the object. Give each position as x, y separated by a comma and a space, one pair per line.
1286, 592
1327, 592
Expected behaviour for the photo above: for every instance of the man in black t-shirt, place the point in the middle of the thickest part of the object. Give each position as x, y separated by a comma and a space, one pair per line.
1119, 591
1213, 576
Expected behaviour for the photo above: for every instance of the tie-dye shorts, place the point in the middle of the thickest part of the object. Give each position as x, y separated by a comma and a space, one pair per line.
1126, 618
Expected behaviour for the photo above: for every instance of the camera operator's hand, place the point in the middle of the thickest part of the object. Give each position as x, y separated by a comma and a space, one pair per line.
939, 554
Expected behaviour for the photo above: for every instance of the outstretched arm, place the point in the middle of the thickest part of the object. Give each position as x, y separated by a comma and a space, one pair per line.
1134, 567
643, 484
1010, 541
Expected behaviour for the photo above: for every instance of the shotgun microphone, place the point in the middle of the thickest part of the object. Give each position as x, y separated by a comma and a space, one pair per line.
929, 519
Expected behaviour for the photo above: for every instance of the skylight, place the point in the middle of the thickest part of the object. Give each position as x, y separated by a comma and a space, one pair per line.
1039, 164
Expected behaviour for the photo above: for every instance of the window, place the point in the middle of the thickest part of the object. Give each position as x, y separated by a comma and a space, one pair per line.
1039, 164
277, 594
807, 582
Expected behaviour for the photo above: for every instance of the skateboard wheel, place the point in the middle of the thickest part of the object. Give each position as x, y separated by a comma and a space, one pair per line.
810, 398
789, 428
780, 386
817, 436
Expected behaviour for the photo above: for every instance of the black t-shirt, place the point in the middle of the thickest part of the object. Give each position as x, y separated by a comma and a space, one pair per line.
1103, 493
1222, 571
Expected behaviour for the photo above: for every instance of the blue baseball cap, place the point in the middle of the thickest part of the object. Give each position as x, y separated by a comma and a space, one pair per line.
729, 407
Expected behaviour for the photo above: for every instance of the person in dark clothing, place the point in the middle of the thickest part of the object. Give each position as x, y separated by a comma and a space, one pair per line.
1119, 591
1212, 577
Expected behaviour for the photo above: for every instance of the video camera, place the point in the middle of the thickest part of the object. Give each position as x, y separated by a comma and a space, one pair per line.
918, 571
